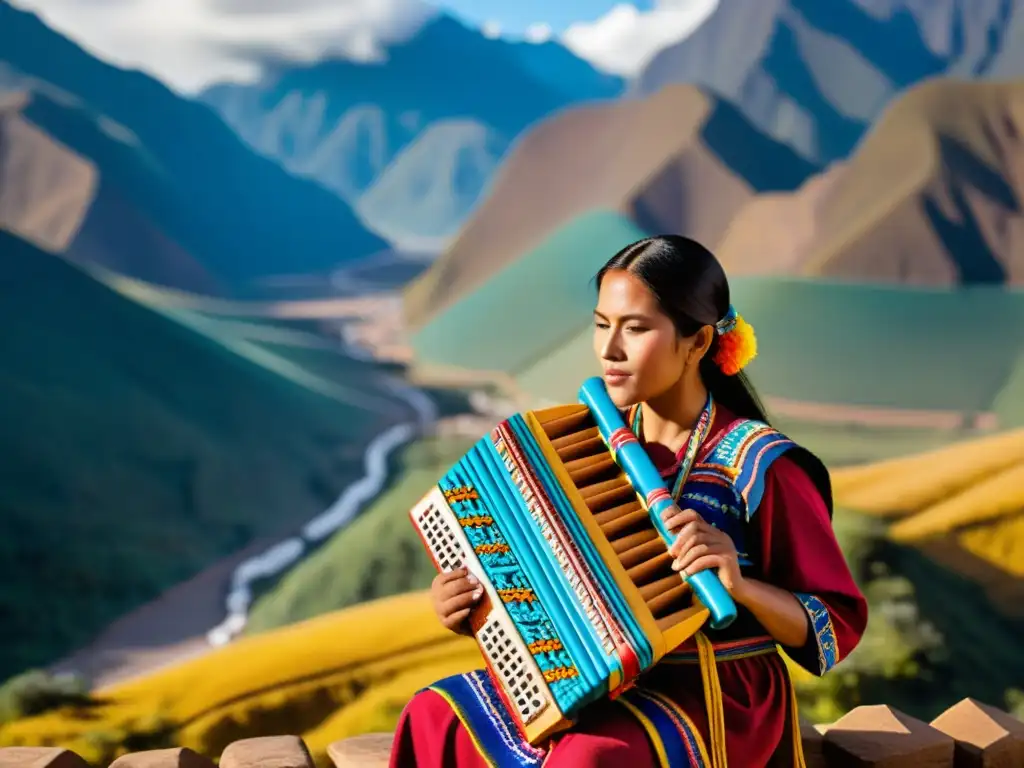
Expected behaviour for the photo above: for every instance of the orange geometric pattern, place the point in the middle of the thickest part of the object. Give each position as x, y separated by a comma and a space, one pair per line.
491, 549
545, 646
560, 673
517, 595
461, 493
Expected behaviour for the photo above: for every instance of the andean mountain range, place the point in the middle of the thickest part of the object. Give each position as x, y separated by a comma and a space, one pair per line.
804, 117
814, 74
410, 142
811, 75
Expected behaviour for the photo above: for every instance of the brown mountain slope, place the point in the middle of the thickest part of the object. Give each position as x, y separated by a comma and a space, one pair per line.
679, 160
63, 202
773, 231
45, 188
931, 197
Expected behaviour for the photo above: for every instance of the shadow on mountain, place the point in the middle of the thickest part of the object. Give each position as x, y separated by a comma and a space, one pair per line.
961, 235
835, 134
765, 164
748, 161
894, 45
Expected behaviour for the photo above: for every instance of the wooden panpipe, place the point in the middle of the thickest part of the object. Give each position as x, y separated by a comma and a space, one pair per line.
618, 511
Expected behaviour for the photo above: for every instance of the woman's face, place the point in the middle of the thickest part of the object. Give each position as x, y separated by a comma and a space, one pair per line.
641, 352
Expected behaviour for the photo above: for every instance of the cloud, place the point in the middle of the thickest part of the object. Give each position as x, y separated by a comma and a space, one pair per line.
625, 38
189, 44
538, 32
491, 29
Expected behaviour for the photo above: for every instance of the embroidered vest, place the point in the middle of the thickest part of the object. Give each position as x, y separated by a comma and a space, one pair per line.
726, 482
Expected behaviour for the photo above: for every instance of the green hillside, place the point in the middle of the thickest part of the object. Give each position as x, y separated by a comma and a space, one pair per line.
138, 449
556, 377
531, 306
378, 555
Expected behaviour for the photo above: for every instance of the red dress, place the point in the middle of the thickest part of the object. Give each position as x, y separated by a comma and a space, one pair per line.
788, 542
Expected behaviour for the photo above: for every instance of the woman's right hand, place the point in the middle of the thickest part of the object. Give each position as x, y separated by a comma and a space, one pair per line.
455, 594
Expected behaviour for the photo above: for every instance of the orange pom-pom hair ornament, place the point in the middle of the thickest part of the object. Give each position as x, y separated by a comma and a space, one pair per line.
737, 344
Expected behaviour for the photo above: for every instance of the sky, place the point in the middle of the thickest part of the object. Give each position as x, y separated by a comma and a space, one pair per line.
516, 16
191, 44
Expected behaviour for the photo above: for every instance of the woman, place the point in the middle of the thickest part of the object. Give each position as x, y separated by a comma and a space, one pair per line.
672, 348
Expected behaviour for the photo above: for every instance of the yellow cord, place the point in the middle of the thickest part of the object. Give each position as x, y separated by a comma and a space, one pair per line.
716, 708
794, 717
713, 701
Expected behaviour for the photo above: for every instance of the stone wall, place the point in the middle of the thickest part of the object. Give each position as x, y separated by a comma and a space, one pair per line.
967, 735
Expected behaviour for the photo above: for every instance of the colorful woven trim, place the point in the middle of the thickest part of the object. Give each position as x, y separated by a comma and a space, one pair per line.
476, 702
728, 650
824, 632
740, 456
674, 737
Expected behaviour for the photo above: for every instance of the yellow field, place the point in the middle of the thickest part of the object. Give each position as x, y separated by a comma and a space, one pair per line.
906, 485
972, 492
326, 678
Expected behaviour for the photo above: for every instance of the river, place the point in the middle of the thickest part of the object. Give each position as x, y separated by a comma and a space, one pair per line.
274, 561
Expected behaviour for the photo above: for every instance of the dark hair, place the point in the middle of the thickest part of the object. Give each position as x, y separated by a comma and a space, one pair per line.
691, 288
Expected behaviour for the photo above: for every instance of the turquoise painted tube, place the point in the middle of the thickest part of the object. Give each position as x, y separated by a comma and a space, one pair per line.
644, 476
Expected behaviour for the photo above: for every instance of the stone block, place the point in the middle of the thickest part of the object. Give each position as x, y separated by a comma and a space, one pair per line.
985, 736
267, 752
40, 757
883, 737
371, 750
179, 757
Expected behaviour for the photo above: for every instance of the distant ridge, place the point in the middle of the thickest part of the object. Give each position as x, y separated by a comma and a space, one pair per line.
249, 217
680, 160
78, 186
933, 196
355, 127
815, 74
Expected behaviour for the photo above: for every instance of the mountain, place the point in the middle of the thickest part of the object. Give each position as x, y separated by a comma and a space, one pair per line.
681, 160
137, 451
344, 123
933, 196
855, 369
433, 183
75, 184
814, 74
205, 195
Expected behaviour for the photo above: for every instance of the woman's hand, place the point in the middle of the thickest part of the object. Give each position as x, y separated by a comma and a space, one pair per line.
699, 546
454, 595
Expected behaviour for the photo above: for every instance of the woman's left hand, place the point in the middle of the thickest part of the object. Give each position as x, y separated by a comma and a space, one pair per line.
700, 546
